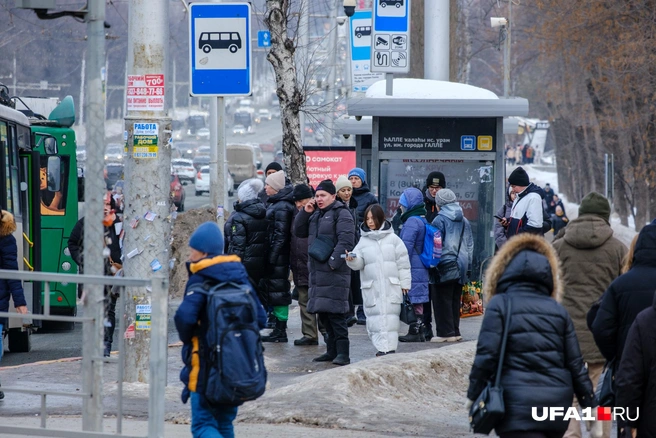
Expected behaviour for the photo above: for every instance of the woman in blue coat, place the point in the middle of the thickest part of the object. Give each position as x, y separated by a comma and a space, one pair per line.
412, 233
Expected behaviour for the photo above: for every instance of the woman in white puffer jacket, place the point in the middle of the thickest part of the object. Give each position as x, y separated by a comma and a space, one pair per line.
382, 259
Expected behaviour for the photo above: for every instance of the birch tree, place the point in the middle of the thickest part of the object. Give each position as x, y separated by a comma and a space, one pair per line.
281, 56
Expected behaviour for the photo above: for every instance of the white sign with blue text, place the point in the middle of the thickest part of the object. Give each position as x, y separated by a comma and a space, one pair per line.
390, 44
220, 55
360, 35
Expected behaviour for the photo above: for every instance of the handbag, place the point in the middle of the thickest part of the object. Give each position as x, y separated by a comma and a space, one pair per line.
408, 315
449, 270
322, 248
606, 385
488, 409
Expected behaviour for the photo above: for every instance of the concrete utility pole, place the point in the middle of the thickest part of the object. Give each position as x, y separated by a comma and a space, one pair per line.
330, 91
506, 55
93, 229
218, 167
436, 40
148, 174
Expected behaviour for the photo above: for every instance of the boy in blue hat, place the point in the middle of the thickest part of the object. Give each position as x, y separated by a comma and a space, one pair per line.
206, 264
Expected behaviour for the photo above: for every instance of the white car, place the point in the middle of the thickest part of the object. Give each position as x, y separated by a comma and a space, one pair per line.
264, 114
239, 130
184, 169
203, 134
202, 183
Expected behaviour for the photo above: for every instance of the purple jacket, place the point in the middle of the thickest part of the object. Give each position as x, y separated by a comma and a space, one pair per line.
412, 234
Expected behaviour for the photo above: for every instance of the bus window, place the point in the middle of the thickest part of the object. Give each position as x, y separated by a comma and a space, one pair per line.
53, 192
13, 169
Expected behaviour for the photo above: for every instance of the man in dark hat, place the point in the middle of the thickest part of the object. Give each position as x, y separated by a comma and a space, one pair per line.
527, 214
271, 168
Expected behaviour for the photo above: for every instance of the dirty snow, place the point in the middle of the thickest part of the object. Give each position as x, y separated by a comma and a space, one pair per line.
429, 89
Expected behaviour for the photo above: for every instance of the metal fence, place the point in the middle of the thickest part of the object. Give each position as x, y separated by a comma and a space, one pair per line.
158, 354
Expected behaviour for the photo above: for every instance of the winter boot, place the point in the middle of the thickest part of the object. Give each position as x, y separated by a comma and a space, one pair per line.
278, 334
362, 318
108, 349
428, 332
415, 333
342, 353
330, 354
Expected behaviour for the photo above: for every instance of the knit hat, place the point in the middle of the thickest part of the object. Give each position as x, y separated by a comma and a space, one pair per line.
249, 189
302, 191
519, 177
436, 179
342, 182
207, 238
273, 165
445, 196
360, 173
327, 186
596, 204
276, 180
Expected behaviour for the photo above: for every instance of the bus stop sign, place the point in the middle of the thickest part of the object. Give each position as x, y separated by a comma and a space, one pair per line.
220, 53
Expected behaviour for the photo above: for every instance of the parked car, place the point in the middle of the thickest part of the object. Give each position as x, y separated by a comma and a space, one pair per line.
114, 153
202, 183
242, 162
239, 130
200, 161
177, 192
264, 114
184, 168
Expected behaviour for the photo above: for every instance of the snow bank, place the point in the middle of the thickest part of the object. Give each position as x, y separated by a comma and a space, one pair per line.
415, 393
429, 89
540, 176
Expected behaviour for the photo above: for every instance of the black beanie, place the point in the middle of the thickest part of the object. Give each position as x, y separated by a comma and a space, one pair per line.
273, 165
327, 186
597, 204
519, 177
436, 179
302, 191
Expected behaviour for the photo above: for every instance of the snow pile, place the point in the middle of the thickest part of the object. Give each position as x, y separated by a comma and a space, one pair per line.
429, 89
411, 394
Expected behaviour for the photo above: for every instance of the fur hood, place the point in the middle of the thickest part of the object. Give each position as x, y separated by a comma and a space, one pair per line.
525, 272
7, 224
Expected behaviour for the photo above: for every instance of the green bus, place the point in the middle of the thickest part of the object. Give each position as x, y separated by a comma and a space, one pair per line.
38, 175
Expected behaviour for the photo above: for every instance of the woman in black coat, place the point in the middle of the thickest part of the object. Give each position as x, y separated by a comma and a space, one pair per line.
543, 364
275, 286
246, 231
330, 279
635, 381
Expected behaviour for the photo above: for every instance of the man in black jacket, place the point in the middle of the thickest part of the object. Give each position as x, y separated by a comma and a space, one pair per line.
246, 230
275, 287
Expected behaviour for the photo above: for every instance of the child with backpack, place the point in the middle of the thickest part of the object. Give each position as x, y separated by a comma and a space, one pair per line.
222, 354
384, 267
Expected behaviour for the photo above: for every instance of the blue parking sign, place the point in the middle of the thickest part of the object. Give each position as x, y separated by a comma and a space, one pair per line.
220, 54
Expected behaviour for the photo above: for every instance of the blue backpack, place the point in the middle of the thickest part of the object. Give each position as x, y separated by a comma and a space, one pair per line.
234, 357
432, 250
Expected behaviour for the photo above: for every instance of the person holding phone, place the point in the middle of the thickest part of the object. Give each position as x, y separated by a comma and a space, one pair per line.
384, 265
502, 217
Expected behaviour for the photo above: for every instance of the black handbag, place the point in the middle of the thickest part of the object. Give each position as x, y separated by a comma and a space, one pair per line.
408, 315
449, 270
606, 386
488, 409
322, 248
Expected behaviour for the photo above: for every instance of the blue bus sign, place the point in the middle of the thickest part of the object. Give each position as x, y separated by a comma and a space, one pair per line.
390, 45
220, 55
360, 36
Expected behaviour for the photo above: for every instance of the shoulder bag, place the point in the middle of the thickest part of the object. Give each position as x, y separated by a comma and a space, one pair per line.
323, 246
450, 270
488, 409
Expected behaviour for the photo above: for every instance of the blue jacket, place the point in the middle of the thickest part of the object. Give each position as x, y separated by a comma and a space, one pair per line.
364, 199
189, 316
450, 221
9, 260
412, 234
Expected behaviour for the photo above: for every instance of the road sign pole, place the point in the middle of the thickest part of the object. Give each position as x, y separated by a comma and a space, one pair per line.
389, 84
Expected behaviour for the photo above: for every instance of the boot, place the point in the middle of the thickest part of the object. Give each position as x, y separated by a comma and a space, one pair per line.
351, 320
415, 333
306, 341
108, 349
342, 353
330, 354
428, 332
362, 318
278, 334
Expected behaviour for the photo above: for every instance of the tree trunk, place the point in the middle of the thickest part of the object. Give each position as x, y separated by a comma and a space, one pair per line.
281, 57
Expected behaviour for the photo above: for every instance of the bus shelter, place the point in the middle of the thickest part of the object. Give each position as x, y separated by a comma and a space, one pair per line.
427, 126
